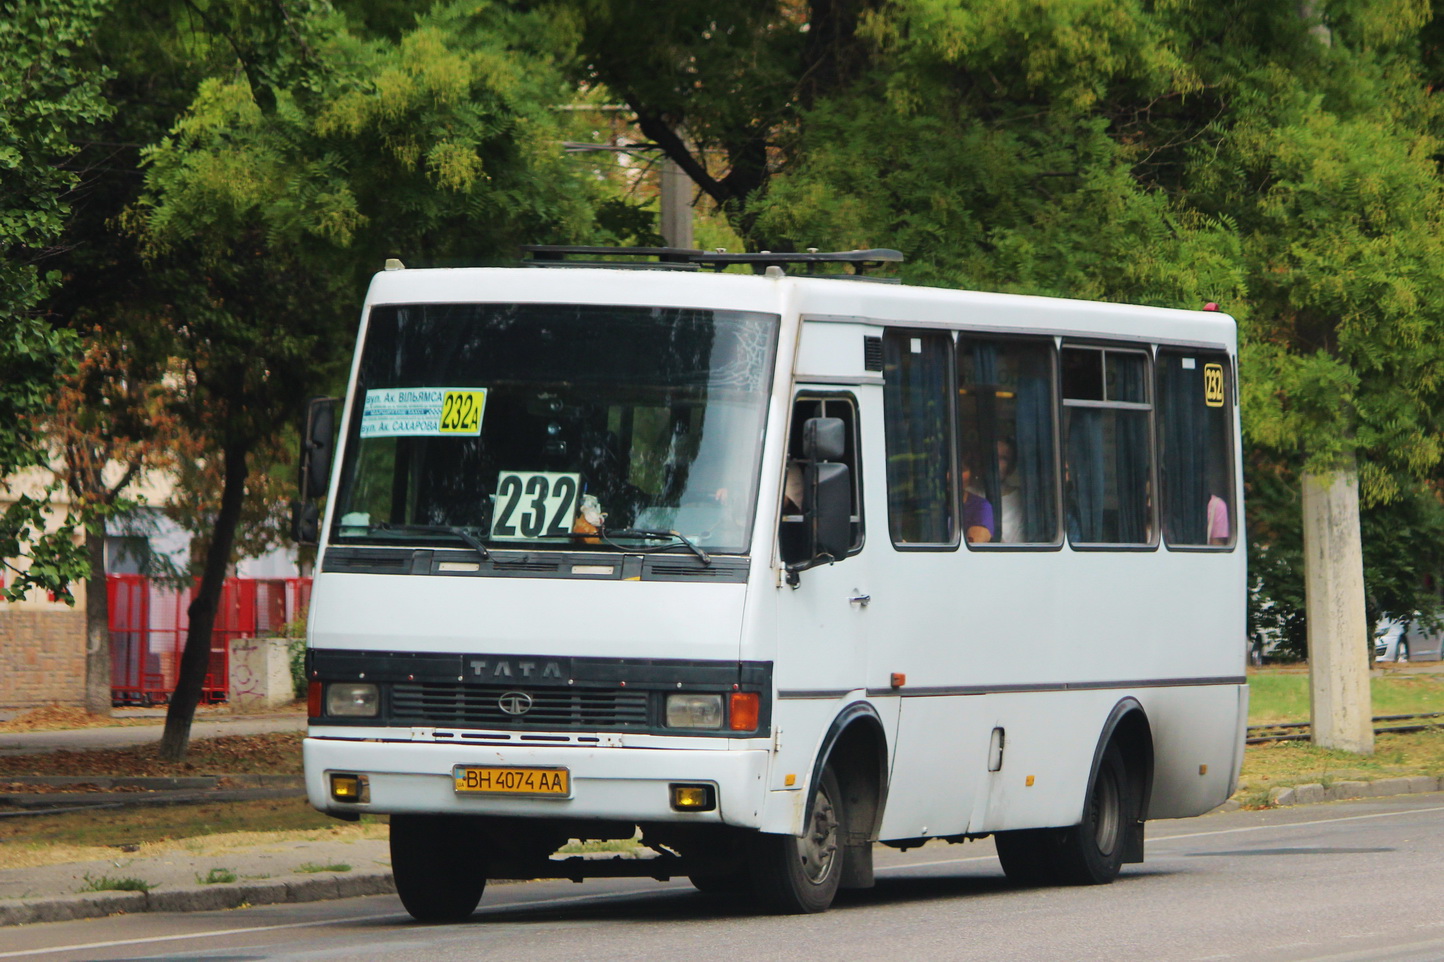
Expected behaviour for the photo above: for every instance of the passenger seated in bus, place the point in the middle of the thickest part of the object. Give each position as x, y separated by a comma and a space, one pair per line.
977, 511
1217, 514
1010, 499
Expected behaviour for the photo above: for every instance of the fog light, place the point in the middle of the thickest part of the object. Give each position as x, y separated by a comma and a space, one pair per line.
353, 699
350, 788
693, 798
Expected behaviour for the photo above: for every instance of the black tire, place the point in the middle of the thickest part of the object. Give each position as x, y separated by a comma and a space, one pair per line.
439, 866
797, 876
735, 884
1029, 856
1091, 852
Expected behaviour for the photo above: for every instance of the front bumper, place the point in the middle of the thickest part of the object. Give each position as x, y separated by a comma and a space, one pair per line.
622, 783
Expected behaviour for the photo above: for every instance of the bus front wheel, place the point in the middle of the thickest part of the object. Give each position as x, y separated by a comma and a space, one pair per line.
439, 866
797, 876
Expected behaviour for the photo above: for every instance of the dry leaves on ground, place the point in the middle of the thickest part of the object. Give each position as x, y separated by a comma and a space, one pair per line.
277, 753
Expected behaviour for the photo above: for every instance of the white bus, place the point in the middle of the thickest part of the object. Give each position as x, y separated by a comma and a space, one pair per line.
765, 568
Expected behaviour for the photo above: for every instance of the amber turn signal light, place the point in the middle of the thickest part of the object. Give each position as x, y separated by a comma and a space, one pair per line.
742, 711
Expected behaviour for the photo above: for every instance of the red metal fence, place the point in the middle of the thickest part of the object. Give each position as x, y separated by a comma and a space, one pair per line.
148, 625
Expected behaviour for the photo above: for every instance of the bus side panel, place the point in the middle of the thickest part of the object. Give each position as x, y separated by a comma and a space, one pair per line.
935, 779
1194, 764
1049, 741
801, 727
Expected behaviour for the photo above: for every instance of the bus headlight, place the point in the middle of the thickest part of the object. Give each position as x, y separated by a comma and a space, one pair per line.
694, 711
353, 700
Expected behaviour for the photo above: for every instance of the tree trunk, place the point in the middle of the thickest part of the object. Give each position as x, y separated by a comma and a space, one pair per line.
97, 628
195, 659
1340, 706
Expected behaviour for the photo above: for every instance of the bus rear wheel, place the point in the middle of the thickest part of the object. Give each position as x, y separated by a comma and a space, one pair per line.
796, 876
1091, 852
1029, 856
439, 866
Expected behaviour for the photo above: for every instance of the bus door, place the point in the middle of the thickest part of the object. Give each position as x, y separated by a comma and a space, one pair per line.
822, 618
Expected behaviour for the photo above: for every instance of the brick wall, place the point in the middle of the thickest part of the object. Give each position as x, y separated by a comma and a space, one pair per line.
42, 656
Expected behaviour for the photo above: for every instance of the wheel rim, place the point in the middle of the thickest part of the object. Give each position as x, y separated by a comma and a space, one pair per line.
1107, 819
817, 849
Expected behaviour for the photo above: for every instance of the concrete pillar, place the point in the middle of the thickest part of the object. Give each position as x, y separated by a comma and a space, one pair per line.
1341, 707
676, 206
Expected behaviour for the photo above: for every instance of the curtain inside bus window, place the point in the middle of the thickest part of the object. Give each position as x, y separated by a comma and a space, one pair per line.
1127, 381
1195, 465
917, 403
1006, 428
1107, 491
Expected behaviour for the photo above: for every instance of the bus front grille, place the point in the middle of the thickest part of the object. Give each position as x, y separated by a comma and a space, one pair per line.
435, 703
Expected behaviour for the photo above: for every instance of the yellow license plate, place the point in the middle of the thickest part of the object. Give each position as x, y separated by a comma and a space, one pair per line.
513, 781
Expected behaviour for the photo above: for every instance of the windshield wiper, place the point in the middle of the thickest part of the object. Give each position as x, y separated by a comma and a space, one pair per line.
472, 541
681, 539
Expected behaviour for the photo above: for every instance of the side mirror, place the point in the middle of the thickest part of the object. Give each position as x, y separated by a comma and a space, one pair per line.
823, 439
318, 438
829, 509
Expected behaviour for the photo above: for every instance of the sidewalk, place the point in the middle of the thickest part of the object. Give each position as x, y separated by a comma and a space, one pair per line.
206, 725
293, 871
177, 874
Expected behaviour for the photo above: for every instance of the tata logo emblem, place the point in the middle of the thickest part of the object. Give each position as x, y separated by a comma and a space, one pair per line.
514, 702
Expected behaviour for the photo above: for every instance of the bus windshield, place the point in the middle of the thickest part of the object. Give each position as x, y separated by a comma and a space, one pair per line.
556, 426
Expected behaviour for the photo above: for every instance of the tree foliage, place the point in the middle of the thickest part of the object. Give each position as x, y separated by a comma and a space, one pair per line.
44, 99
291, 177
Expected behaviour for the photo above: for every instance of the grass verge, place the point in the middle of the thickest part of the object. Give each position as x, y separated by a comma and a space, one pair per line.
209, 829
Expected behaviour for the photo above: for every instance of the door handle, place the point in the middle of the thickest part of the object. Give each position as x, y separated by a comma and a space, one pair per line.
862, 601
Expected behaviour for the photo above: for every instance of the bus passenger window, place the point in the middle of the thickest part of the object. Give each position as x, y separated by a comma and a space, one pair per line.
1006, 425
1195, 467
791, 536
917, 404
1107, 495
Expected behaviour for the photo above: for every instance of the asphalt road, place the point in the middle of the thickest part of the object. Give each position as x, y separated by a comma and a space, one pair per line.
1353, 881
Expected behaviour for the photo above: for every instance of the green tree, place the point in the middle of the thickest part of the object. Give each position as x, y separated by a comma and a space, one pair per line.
284, 184
44, 100
720, 88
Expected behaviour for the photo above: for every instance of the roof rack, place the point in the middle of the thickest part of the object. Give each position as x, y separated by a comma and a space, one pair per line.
677, 258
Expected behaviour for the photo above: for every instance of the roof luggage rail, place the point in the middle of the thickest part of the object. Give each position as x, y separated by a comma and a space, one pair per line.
677, 258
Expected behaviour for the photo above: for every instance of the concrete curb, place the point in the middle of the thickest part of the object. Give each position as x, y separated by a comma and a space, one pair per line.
1311, 794
198, 898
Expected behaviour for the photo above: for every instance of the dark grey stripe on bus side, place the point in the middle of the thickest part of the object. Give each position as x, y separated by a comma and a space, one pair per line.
941, 690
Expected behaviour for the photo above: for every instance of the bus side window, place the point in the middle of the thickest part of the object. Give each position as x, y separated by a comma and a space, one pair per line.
791, 536
1106, 446
917, 403
1007, 431
1195, 467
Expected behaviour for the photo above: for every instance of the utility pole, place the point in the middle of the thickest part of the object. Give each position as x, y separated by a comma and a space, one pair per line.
1339, 705
676, 206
